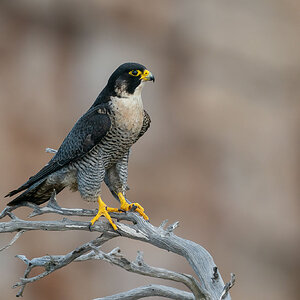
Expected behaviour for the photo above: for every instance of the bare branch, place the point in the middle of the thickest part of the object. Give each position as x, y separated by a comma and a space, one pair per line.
172, 227
50, 150
151, 290
140, 267
163, 224
53, 263
228, 286
12, 240
209, 286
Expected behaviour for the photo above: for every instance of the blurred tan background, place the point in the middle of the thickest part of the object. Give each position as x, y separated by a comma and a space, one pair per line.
222, 155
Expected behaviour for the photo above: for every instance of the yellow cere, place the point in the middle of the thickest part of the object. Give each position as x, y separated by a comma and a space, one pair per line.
145, 75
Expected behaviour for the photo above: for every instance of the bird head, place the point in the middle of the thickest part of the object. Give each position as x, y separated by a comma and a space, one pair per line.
128, 79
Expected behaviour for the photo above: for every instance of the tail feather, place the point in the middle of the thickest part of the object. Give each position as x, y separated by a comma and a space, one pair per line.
18, 190
37, 193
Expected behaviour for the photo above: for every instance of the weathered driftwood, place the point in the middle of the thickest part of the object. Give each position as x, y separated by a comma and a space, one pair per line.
208, 285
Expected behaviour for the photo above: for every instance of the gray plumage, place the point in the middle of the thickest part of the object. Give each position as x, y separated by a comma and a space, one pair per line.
97, 148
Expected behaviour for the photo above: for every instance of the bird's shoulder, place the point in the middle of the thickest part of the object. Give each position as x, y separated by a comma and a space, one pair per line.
87, 132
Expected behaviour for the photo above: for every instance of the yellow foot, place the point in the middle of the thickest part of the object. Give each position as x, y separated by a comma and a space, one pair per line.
104, 211
127, 207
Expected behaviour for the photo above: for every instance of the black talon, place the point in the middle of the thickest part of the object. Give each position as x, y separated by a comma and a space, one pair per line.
117, 231
90, 227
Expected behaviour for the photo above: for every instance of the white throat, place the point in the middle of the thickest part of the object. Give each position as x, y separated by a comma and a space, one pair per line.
128, 108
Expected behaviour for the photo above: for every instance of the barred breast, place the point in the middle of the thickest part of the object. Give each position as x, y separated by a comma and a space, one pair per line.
127, 120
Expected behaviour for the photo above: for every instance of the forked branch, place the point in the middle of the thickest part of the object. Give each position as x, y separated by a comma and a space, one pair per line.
207, 285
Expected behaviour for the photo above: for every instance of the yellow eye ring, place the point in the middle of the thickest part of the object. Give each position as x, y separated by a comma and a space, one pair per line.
135, 73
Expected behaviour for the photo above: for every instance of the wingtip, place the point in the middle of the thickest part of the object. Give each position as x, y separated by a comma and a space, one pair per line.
11, 203
12, 193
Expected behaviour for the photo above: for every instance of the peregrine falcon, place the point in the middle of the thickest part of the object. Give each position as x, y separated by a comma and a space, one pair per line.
98, 146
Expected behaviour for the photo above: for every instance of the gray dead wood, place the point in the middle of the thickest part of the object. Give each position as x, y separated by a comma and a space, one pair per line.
151, 290
207, 285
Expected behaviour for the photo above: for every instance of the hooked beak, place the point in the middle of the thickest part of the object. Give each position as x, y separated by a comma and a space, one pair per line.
147, 76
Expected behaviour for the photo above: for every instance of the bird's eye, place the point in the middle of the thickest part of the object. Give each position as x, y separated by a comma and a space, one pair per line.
135, 72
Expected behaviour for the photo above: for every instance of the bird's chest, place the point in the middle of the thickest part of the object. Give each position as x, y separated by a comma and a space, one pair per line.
128, 115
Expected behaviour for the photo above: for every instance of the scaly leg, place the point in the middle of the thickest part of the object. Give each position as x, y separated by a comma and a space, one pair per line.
104, 211
126, 207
